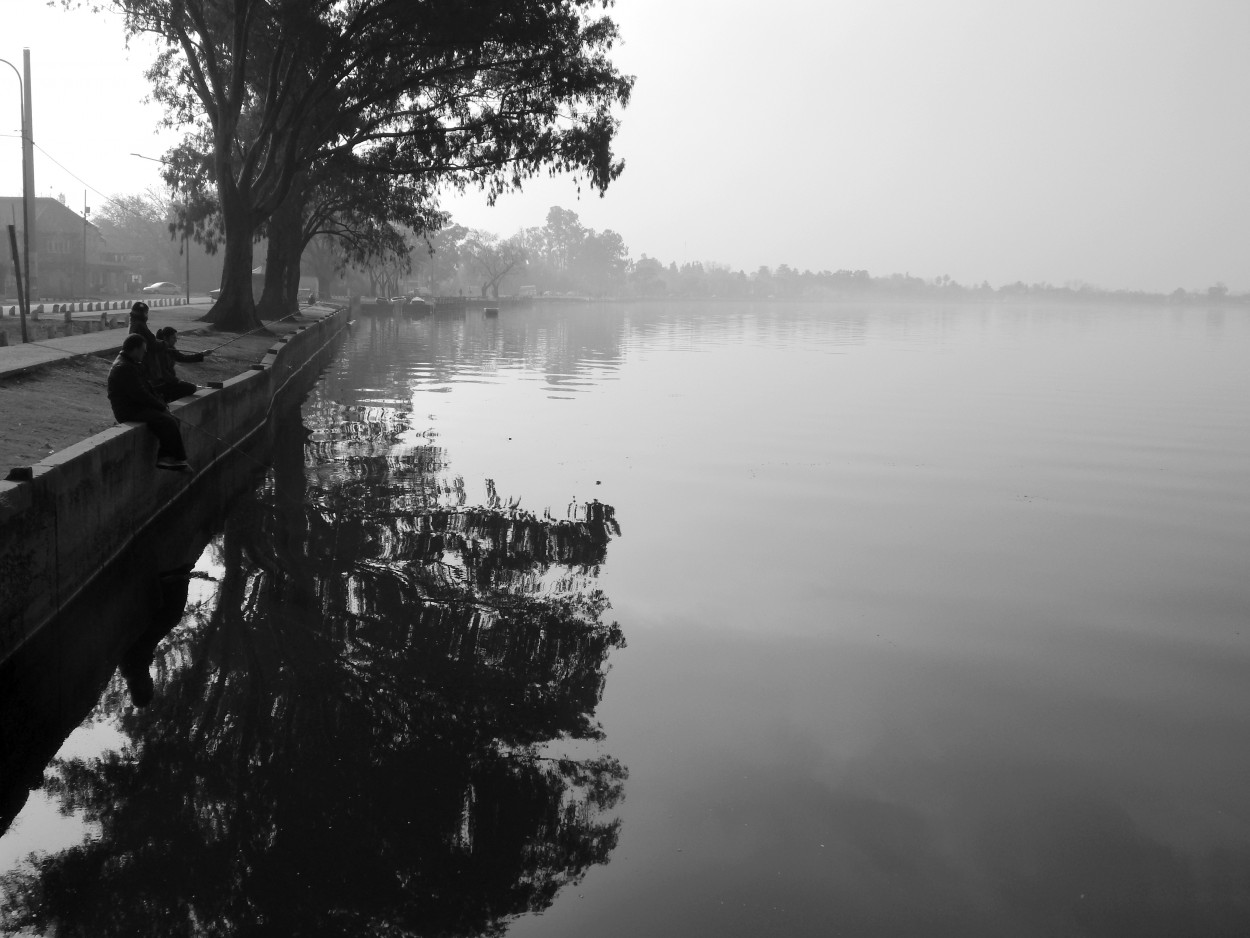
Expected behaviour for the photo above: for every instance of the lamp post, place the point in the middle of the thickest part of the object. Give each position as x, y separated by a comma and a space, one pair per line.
26, 187
186, 246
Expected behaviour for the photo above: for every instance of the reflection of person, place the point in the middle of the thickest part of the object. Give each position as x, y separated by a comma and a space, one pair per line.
167, 352
136, 663
133, 398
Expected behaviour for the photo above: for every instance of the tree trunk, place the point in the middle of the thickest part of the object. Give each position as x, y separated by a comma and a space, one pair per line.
235, 309
272, 299
292, 283
280, 298
324, 265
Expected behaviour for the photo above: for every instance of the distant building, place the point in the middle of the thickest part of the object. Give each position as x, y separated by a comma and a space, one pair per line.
72, 256
126, 252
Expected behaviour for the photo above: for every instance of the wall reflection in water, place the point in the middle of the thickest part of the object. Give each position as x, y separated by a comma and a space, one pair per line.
351, 738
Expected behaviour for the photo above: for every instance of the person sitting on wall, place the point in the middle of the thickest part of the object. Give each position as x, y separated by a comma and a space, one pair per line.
133, 398
171, 387
151, 359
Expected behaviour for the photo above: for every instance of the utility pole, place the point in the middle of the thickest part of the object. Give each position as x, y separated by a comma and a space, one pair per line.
28, 189
85, 212
28, 186
17, 271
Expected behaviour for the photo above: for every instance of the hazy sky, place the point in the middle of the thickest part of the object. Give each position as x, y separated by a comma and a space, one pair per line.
1103, 141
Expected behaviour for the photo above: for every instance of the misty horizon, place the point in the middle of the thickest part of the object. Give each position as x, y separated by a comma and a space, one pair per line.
1061, 144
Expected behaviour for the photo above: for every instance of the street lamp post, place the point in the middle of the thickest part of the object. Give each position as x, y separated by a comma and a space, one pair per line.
24, 295
186, 245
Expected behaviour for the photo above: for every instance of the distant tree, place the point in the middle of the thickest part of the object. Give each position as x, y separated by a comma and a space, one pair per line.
564, 234
493, 258
691, 280
723, 282
786, 281
446, 251
647, 277
142, 223
602, 263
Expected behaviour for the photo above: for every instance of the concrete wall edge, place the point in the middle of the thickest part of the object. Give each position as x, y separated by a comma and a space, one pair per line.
92, 490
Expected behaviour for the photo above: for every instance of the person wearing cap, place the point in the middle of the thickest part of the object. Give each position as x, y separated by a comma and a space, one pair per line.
171, 387
133, 398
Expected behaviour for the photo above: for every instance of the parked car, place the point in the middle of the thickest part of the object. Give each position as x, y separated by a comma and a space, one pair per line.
162, 286
213, 294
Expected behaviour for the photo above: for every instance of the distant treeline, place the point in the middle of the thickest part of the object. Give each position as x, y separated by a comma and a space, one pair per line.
564, 257
649, 277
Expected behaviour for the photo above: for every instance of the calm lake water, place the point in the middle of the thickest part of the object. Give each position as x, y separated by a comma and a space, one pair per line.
673, 620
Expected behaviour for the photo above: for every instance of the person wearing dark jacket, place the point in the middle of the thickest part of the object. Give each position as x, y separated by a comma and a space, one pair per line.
171, 387
133, 398
139, 326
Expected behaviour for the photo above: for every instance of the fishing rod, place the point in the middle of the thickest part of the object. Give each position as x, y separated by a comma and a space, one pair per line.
260, 328
211, 348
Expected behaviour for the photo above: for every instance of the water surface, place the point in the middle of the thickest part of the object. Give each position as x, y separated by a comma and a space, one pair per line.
704, 619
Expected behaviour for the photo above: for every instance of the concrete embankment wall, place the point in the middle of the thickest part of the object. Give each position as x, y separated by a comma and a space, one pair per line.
87, 502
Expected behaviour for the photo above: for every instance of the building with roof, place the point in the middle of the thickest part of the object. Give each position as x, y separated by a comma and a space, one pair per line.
69, 255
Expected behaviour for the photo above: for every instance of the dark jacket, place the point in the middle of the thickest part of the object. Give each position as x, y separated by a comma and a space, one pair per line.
166, 356
152, 359
130, 390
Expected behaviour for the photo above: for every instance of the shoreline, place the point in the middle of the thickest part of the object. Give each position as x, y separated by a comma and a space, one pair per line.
89, 498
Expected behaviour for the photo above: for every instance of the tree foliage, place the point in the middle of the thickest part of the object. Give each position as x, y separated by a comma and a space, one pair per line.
447, 92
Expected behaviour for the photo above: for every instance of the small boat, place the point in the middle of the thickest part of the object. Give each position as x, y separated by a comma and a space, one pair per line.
413, 306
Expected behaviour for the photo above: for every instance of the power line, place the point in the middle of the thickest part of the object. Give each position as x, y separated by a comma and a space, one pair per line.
70, 172
106, 198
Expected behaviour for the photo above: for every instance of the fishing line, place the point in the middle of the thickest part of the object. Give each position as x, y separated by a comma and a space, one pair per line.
234, 447
257, 329
211, 348
231, 446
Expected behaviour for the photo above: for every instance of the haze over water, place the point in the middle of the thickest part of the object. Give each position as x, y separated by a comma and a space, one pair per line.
934, 621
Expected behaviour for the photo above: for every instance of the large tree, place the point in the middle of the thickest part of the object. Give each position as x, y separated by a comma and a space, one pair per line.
485, 92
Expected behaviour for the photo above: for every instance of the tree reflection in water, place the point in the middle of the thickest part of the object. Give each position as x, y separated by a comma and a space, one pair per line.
351, 740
